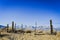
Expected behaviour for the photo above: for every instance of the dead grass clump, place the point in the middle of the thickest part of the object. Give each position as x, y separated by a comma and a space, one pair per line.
28, 31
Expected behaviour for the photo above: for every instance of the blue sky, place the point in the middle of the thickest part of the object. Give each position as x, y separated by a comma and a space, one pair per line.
27, 12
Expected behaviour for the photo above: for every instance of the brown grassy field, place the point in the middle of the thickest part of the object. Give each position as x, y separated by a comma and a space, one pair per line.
29, 36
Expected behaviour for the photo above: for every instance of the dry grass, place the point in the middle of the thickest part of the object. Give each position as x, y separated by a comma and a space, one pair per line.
29, 36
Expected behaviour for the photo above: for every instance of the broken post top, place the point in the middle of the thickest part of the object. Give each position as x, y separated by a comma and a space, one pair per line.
7, 25
12, 21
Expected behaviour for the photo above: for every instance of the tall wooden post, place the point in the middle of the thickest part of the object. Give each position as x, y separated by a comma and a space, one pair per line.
7, 27
13, 26
51, 27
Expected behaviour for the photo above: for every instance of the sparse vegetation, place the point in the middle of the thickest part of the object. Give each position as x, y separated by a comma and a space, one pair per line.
13, 34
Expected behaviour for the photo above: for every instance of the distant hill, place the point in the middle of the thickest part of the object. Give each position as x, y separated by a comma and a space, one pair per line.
57, 29
1, 26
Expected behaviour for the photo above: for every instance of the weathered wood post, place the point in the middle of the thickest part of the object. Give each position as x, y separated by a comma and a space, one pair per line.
51, 27
7, 27
15, 26
0, 32
21, 26
12, 26
35, 26
22, 29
